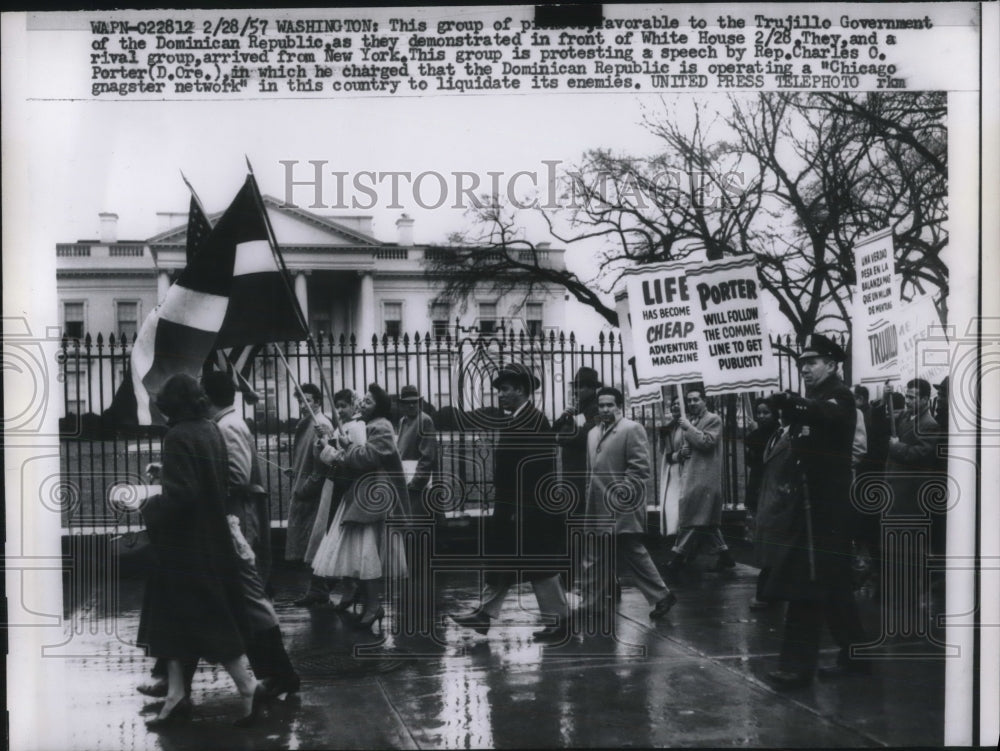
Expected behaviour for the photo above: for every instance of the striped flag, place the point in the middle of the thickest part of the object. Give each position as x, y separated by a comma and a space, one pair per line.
199, 227
231, 293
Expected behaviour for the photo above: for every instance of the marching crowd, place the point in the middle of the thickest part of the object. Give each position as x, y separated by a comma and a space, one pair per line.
207, 596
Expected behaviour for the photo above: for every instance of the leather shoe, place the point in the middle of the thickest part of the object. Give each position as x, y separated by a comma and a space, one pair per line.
840, 670
156, 689
312, 599
724, 563
756, 604
281, 684
477, 620
786, 679
663, 607
182, 710
557, 632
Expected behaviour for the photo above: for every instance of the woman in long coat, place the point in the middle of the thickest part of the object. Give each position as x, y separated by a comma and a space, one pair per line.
670, 471
193, 605
356, 546
779, 508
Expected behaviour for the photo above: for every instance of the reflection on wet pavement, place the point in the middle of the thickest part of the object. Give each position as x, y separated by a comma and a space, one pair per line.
693, 680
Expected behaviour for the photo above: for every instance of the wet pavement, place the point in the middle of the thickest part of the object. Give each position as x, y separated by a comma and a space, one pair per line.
695, 679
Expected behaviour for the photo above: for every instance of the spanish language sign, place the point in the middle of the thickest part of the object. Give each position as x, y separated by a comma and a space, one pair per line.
664, 324
923, 342
875, 345
733, 345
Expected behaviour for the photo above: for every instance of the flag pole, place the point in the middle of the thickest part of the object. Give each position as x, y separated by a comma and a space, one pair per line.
273, 242
194, 194
298, 388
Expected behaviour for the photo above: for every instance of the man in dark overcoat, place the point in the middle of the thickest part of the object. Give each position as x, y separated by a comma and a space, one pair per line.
523, 529
913, 458
815, 576
572, 428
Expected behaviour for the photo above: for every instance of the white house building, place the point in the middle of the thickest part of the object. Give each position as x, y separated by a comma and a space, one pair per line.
347, 281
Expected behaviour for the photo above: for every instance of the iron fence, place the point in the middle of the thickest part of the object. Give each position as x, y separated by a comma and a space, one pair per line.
453, 373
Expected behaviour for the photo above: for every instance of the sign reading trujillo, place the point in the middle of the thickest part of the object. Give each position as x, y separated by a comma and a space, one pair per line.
875, 345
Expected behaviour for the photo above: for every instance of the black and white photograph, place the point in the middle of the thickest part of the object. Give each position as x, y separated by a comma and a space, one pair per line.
549, 376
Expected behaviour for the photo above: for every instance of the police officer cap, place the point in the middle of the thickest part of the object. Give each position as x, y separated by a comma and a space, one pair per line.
518, 374
817, 345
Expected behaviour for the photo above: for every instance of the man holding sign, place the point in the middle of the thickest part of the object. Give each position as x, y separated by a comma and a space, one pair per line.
701, 487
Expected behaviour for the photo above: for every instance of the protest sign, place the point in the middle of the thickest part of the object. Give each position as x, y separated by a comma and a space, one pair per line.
638, 395
923, 345
734, 349
664, 324
875, 347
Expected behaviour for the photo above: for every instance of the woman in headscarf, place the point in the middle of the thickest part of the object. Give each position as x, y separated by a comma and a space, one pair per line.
193, 607
357, 546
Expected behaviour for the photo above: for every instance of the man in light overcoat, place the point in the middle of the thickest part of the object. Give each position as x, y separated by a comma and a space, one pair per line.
618, 472
700, 514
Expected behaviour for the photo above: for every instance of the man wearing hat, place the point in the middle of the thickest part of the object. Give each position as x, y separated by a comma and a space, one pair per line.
573, 426
521, 530
417, 445
814, 575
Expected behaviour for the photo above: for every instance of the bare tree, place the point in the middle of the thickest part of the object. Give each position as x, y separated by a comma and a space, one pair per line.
796, 179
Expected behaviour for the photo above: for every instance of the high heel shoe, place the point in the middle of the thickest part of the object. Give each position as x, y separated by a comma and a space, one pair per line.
347, 602
256, 707
182, 710
364, 623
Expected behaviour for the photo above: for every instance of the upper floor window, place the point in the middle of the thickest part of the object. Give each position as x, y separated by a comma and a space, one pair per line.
392, 319
127, 318
533, 319
73, 322
487, 317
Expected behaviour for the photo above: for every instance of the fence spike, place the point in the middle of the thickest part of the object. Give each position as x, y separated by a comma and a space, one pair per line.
111, 339
406, 341
600, 339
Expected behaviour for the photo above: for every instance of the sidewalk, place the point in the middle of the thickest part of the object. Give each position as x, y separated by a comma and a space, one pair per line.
694, 680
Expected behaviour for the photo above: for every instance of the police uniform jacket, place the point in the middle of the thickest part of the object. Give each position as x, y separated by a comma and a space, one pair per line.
824, 456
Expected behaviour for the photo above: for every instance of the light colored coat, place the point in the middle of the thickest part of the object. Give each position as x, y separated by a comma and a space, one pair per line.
701, 488
618, 471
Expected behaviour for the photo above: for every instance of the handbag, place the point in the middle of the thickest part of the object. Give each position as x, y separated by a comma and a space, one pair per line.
134, 552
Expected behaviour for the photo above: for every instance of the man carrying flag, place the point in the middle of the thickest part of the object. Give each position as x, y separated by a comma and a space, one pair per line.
232, 293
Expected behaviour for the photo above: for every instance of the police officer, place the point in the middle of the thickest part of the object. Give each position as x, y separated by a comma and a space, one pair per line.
814, 575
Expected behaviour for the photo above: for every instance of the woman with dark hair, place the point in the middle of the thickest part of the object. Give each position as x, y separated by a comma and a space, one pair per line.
755, 443
356, 546
193, 606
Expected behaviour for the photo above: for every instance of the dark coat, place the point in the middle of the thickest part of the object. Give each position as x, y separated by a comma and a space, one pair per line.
524, 474
193, 605
779, 522
825, 456
571, 435
913, 467
754, 444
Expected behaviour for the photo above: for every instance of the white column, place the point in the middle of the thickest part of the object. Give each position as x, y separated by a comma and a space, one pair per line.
366, 310
162, 285
302, 294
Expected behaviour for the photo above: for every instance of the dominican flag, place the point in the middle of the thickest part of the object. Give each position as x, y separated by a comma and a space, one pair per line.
232, 293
